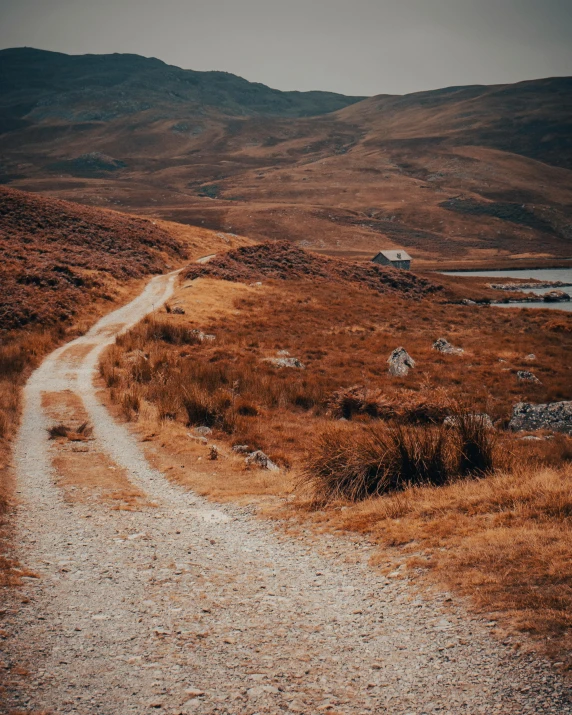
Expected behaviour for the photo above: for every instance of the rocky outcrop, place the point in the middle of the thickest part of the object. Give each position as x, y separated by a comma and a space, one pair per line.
528, 286
555, 416
444, 346
400, 362
556, 296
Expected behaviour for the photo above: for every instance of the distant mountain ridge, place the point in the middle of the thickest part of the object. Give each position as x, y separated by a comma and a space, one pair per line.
54, 85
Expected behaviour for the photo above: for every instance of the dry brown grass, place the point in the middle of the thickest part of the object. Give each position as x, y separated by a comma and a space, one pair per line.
343, 338
518, 520
54, 253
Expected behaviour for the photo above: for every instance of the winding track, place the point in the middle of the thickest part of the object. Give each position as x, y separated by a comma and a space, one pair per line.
184, 608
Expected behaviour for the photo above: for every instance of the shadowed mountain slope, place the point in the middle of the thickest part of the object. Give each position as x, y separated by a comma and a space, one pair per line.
37, 85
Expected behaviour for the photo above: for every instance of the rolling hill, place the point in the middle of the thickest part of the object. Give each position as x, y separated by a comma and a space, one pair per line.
464, 174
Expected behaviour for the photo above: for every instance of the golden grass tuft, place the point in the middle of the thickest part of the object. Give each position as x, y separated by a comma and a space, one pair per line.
355, 462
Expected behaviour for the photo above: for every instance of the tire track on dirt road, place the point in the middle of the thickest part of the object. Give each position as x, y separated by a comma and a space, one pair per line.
182, 607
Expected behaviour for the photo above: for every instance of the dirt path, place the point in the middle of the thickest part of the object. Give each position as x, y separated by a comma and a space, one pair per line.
186, 608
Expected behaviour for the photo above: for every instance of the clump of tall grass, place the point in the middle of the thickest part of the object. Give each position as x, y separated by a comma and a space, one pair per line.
354, 462
477, 444
130, 403
159, 330
209, 409
407, 406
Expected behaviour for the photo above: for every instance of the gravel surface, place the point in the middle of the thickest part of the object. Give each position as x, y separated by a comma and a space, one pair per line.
188, 608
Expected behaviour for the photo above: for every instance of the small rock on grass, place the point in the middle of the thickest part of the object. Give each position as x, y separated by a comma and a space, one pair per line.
241, 449
259, 459
444, 346
286, 362
194, 692
526, 376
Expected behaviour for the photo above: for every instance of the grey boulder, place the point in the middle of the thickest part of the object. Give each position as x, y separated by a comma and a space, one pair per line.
400, 362
526, 376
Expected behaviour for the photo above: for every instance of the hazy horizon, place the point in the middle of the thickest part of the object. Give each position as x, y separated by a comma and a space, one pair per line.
365, 47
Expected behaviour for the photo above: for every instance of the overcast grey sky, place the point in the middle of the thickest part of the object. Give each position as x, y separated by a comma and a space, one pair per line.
350, 46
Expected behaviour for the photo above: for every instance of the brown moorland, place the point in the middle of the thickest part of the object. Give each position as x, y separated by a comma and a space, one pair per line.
166, 378
466, 175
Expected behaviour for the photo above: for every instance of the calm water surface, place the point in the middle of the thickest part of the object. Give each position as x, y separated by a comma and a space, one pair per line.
539, 274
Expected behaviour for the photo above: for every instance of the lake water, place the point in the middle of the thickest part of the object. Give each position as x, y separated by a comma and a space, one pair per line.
539, 274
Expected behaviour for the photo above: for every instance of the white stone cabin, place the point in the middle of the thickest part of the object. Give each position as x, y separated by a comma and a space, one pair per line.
397, 259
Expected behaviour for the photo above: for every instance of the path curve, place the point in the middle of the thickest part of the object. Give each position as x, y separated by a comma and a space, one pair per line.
186, 608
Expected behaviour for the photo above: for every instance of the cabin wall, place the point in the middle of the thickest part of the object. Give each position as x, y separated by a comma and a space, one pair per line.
383, 261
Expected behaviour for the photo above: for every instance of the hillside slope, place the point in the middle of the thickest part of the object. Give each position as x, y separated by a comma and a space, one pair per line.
465, 173
55, 255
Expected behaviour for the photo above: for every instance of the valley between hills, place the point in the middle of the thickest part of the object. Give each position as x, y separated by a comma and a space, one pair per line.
466, 175
243, 469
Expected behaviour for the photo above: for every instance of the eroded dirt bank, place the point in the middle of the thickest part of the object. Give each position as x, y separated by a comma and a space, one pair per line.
170, 604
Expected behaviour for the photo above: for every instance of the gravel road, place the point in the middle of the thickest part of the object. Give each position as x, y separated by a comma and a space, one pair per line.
186, 607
